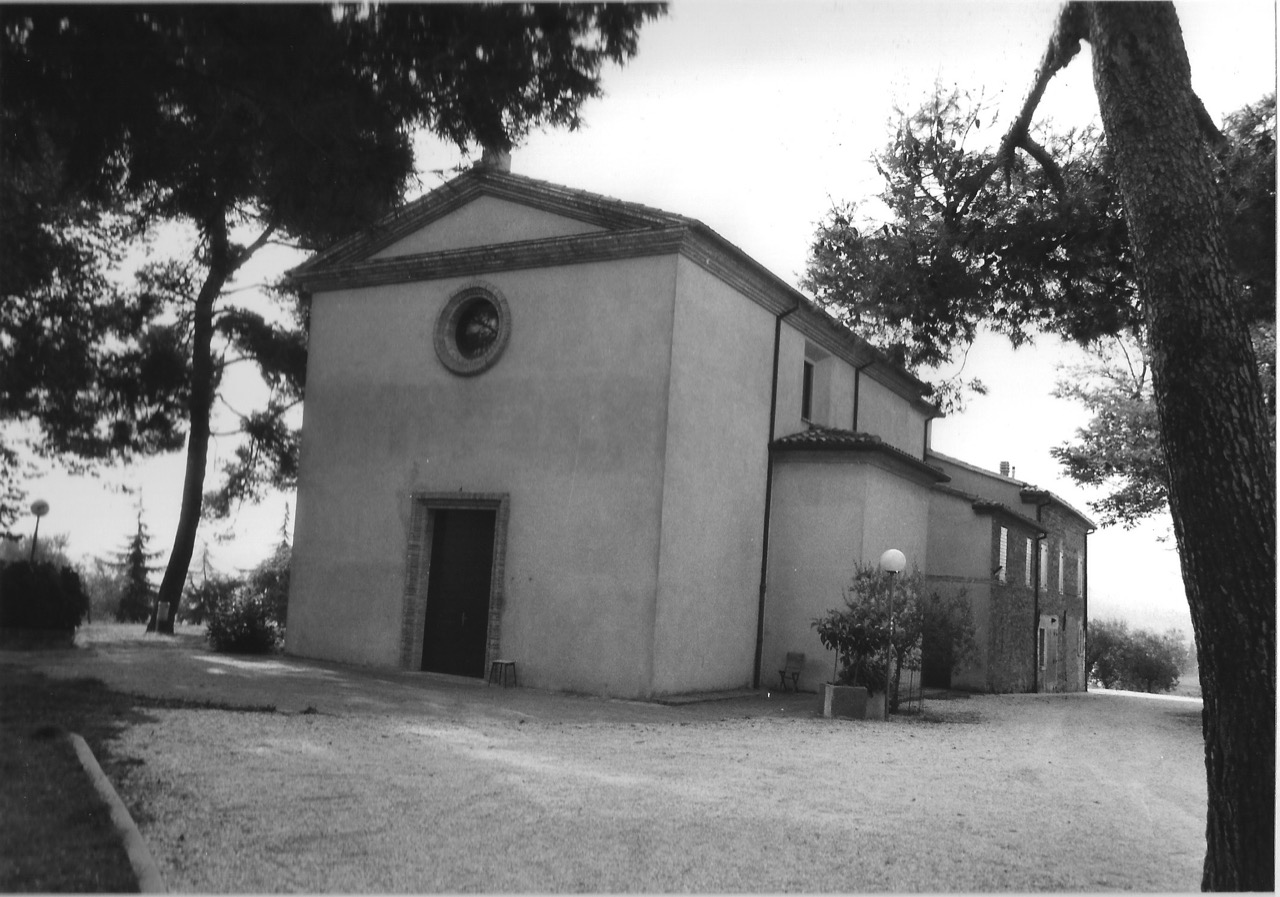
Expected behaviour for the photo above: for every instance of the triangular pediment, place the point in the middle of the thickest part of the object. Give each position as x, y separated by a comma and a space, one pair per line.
487, 208
486, 221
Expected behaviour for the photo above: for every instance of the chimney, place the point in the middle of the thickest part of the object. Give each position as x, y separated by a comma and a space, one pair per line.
495, 159
1004, 468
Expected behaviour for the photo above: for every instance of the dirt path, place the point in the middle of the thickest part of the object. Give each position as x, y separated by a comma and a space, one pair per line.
401, 782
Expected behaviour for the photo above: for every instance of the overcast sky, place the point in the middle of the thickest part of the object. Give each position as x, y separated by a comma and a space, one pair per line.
753, 117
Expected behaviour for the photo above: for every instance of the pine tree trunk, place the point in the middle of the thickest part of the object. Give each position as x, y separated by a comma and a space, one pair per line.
1213, 423
201, 404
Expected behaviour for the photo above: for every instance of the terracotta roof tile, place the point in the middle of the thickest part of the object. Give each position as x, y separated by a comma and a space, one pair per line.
833, 439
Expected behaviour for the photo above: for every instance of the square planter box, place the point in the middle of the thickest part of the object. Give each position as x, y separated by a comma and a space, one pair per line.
851, 702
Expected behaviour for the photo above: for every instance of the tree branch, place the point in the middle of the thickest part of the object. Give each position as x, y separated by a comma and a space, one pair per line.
1208, 126
247, 252
1071, 28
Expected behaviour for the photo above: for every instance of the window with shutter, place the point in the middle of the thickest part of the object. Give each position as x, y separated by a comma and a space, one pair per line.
1002, 570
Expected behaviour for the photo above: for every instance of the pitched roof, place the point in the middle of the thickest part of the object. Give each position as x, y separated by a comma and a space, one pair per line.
629, 230
1035, 495
987, 506
1029, 493
833, 439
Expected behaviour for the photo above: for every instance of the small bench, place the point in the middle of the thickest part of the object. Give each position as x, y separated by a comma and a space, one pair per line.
498, 672
792, 669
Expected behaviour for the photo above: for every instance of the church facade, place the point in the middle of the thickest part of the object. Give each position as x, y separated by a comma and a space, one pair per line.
592, 438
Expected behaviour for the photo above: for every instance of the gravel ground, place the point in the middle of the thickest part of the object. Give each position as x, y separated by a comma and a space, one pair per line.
366, 781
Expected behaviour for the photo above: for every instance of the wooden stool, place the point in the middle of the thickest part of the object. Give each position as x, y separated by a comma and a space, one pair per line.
498, 670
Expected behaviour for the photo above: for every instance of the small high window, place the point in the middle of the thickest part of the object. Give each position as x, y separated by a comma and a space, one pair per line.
806, 393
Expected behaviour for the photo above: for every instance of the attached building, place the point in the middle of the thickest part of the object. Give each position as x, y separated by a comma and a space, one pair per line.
1021, 556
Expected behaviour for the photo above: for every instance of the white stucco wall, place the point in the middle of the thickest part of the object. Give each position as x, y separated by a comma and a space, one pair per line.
831, 512
790, 382
713, 499
840, 406
959, 539
886, 414
571, 423
960, 560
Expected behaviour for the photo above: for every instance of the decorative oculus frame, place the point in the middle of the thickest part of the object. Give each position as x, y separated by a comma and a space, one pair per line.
473, 329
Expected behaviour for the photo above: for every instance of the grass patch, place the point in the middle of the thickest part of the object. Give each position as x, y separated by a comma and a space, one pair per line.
55, 832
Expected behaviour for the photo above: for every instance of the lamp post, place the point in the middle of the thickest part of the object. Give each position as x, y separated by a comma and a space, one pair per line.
39, 507
892, 562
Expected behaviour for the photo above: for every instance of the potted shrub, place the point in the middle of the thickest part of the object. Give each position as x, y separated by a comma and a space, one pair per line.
859, 634
872, 650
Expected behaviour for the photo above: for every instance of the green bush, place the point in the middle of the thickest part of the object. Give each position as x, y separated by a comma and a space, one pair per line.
242, 622
199, 602
1138, 660
41, 596
864, 638
860, 631
271, 579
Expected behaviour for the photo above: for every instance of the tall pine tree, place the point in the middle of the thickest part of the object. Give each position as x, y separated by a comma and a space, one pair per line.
248, 124
137, 594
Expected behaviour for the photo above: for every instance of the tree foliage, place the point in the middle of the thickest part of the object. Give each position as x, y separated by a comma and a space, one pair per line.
859, 631
247, 614
247, 124
271, 577
922, 271
1119, 449
242, 622
136, 593
1135, 660
1215, 430
50, 548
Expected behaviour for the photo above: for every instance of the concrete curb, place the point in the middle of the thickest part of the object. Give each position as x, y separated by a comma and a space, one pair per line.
144, 867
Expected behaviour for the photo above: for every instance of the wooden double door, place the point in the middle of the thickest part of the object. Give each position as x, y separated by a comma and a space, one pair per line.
459, 584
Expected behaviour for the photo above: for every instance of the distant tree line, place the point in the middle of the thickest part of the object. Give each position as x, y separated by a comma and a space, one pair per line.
1135, 660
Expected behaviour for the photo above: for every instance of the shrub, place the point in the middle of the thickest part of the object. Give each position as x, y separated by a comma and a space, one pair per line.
1139, 660
271, 579
41, 596
862, 636
860, 632
242, 622
200, 601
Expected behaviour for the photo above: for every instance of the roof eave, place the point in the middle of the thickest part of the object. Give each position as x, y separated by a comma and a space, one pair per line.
878, 447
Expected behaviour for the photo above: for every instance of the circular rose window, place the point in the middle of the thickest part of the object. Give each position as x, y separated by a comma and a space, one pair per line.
473, 329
